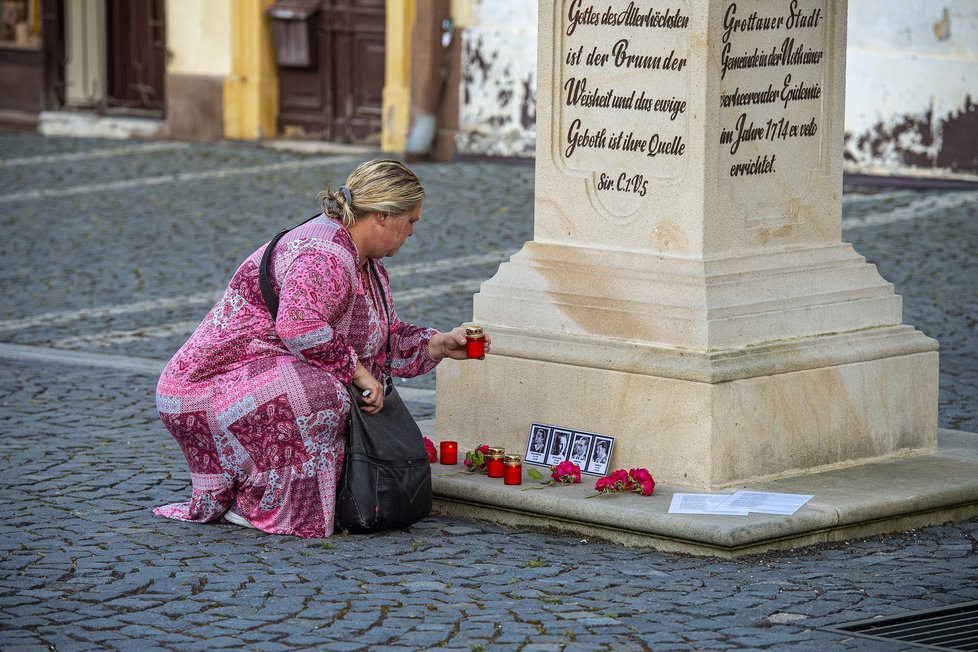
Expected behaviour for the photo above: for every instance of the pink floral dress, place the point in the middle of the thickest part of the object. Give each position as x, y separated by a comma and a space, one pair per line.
259, 406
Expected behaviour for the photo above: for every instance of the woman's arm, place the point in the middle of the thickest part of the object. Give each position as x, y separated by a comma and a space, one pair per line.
416, 350
371, 390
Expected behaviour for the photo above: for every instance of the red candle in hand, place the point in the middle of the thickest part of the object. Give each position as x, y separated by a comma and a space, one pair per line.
513, 473
494, 463
475, 342
449, 452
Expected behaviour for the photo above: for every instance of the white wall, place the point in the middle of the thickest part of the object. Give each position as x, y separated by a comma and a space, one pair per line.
199, 37
497, 105
912, 66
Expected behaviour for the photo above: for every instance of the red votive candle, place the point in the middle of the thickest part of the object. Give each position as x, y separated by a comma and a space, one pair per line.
475, 342
494, 463
449, 452
513, 473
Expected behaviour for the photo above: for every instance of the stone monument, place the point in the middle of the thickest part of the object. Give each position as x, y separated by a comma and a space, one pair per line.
687, 290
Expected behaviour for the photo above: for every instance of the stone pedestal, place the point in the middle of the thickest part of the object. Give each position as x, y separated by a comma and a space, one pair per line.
686, 289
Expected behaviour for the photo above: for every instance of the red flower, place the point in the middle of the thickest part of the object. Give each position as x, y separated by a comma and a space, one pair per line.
429, 447
621, 481
640, 476
475, 460
566, 472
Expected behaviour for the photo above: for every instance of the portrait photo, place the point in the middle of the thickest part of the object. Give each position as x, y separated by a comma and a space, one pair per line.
559, 446
580, 448
536, 447
600, 455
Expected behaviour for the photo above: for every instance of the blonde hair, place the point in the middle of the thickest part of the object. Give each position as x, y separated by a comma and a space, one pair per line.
377, 186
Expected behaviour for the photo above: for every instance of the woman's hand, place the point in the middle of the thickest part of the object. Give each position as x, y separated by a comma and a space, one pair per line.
373, 401
450, 345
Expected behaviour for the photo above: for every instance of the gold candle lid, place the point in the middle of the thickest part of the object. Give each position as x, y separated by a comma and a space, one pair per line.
474, 331
496, 452
513, 459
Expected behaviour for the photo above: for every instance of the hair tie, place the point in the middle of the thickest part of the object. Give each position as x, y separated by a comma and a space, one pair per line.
346, 196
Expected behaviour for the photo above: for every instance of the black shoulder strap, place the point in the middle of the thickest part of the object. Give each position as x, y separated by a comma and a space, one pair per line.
269, 296
387, 314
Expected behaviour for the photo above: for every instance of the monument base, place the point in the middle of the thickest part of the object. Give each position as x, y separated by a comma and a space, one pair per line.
705, 420
856, 501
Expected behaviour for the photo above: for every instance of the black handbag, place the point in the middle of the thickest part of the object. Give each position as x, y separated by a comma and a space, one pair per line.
386, 477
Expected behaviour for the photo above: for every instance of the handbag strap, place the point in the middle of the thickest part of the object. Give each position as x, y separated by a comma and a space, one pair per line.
387, 315
267, 293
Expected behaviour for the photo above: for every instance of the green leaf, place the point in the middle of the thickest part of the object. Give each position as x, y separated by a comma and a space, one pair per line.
535, 475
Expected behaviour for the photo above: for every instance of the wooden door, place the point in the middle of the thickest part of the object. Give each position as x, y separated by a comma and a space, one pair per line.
355, 32
136, 56
339, 97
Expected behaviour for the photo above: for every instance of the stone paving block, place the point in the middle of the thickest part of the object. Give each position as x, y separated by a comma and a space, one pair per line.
214, 643
380, 634
57, 641
27, 644
27, 622
338, 645
274, 607
582, 646
422, 638
283, 628
11, 601
266, 645
105, 638
142, 632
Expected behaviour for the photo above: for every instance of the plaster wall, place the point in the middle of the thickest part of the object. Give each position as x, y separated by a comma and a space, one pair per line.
199, 37
199, 40
497, 94
925, 118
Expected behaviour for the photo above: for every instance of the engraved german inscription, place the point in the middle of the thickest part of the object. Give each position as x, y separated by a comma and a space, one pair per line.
772, 68
624, 94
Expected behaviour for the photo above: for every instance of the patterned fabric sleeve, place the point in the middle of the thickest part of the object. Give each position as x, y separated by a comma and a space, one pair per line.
409, 343
314, 297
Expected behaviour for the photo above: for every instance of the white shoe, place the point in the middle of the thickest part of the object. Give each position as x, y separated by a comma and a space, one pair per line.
232, 516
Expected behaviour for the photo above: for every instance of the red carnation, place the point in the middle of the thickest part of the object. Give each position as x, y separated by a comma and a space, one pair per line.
621, 481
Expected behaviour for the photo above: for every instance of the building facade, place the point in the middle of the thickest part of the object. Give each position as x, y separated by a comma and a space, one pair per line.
442, 78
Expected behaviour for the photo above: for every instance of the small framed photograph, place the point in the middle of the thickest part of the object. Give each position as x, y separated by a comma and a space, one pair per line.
559, 446
580, 448
536, 448
550, 445
600, 455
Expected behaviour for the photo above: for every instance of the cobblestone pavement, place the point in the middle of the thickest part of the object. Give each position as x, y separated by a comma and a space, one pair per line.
119, 254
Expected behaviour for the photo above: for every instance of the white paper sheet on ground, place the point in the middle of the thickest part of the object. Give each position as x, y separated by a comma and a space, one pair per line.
700, 504
763, 502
